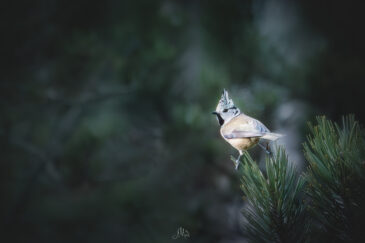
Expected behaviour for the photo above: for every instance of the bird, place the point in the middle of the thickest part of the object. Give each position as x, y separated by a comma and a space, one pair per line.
240, 130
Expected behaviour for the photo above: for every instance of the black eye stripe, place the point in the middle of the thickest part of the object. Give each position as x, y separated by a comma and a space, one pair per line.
225, 110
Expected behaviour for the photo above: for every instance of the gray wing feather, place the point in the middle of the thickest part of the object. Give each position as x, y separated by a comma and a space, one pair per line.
255, 129
259, 126
241, 134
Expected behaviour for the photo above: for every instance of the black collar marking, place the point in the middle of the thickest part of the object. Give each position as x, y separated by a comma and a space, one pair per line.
220, 119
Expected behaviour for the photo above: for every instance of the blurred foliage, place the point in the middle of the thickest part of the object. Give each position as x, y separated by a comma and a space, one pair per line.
105, 130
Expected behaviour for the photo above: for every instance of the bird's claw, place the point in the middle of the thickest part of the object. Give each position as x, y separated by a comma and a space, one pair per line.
237, 163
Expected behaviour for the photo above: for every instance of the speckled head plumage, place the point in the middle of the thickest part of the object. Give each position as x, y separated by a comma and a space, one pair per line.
226, 109
225, 102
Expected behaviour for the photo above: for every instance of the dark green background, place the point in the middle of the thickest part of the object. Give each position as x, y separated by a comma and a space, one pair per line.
105, 126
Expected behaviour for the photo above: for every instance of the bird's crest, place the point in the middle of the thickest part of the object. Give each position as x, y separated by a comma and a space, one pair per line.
225, 102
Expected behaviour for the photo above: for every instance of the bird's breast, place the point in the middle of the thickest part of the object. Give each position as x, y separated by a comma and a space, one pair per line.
243, 143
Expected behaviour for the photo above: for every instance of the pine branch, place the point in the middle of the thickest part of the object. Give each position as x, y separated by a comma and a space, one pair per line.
275, 212
336, 178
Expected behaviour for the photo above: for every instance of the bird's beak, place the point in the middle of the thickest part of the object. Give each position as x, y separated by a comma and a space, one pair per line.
215, 113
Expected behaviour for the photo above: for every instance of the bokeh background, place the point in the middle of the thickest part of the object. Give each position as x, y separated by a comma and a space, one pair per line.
105, 126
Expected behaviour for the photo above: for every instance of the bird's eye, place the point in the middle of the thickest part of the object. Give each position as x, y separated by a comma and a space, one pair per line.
225, 110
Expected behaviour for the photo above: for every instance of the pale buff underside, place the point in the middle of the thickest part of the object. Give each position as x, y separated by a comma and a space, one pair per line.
241, 144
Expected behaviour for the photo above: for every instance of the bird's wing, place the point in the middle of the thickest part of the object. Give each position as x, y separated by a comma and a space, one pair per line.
242, 134
251, 128
257, 125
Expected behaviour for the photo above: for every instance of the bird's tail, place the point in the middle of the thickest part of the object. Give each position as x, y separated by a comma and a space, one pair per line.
272, 136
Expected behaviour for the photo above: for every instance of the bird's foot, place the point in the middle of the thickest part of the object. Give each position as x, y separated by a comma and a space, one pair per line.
236, 164
266, 149
236, 161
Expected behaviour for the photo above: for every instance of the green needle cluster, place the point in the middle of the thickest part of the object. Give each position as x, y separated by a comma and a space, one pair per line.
325, 203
